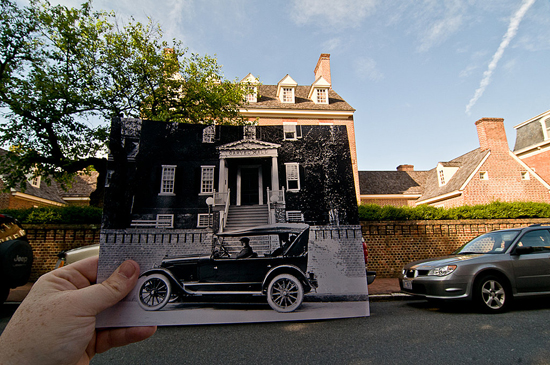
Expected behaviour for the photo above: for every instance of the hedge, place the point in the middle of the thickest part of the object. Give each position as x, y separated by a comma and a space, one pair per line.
494, 210
45, 215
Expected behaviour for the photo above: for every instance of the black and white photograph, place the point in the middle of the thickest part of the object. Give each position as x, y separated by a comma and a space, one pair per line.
232, 224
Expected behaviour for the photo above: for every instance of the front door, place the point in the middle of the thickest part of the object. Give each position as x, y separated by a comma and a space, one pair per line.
250, 186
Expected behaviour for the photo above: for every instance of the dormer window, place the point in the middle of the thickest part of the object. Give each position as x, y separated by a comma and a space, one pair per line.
35, 181
252, 88
319, 91
286, 90
546, 126
445, 172
288, 95
322, 96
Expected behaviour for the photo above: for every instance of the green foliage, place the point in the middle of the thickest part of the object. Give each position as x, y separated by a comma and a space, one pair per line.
66, 72
65, 215
494, 210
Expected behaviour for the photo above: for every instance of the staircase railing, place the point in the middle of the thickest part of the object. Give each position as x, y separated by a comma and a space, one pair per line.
274, 198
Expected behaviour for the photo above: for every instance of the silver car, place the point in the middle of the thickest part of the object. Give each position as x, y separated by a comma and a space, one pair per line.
491, 270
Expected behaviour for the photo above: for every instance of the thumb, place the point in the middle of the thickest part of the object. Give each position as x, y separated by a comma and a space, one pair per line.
106, 294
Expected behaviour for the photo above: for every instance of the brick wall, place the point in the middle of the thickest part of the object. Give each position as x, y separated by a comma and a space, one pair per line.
539, 162
47, 240
393, 244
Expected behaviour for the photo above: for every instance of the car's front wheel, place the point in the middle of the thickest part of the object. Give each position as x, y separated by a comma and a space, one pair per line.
492, 294
154, 293
285, 293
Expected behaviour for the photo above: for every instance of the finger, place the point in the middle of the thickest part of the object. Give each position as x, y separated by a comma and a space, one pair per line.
107, 339
80, 274
101, 296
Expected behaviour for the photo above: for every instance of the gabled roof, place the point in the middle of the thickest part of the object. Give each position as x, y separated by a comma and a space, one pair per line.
467, 164
267, 99
392, 182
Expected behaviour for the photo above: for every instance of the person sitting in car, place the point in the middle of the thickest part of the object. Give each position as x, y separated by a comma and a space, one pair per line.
247, 250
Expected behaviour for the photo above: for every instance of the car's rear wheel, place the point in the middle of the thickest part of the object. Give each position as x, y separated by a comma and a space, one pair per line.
492, 294
155, 292
285, 293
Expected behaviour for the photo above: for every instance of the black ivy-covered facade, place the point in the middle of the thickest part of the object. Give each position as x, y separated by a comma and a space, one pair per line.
172, 175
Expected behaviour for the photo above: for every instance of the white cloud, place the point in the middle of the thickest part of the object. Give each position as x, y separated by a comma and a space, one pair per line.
366, 69
510, 33
437, 21
342, 13
332, 44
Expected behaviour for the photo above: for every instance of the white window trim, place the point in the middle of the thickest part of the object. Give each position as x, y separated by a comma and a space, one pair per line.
209, 134
291, 128
296, 167
35, 181
202, 220
203, 169
252, 95
525, 175
163, 178
317, 91
165, 221
483, 175
292, 97
291, 216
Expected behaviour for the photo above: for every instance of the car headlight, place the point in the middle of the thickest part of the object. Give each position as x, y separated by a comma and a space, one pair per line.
442, 270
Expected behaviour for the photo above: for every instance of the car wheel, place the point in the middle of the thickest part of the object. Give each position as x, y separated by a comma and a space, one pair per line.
155, 292
492, 294
285, 293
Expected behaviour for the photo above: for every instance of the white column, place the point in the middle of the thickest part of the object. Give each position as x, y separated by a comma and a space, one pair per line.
274, 174
222, 182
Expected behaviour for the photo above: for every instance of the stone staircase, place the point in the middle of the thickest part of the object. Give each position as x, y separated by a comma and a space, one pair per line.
246, 216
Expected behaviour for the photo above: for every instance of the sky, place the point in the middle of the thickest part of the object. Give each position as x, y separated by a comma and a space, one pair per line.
419, 73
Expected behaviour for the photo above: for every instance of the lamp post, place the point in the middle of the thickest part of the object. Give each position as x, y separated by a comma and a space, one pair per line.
210, 203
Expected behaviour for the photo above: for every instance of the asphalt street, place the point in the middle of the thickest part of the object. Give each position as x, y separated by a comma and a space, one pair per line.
396, 332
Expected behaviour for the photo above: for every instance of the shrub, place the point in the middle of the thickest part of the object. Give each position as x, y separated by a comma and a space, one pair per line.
66, 215
494, 210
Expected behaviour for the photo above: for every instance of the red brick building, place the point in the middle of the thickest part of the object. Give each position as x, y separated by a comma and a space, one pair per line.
293, 105
533, 144
489, 173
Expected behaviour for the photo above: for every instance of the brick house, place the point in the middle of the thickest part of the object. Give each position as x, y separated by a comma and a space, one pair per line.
489, 173
186, 176
397, 188
40, 194
533, 144
292, 105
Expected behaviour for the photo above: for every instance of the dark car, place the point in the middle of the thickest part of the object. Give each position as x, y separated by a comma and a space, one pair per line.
492, 269
15, 256
280, 274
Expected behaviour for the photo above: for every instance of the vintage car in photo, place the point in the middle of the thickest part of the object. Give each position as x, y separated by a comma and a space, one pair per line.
491, 270
281, 274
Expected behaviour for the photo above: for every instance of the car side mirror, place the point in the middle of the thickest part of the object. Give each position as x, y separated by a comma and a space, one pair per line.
523, 250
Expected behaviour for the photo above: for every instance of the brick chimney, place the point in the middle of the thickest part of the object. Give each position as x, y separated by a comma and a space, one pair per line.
323, 67
492, 135
405, 168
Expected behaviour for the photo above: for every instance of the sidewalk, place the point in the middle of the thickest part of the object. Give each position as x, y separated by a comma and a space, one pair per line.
380, 289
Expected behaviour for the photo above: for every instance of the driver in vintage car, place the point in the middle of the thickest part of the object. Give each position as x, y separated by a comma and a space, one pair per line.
247, 250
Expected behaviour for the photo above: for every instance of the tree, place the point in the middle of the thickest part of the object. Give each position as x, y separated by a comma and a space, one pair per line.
65, 72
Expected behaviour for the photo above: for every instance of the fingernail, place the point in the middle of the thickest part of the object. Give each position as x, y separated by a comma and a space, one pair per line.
127, 269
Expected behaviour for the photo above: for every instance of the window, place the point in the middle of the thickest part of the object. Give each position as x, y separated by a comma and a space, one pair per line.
292, 131
249, 132
322, 96
108, 178
203, 220
483, 175
209, 134
207, 179
288, 95
441, 178
252, 95
165, 221
294, 216
292, 176
35, 181
525, 175
167, 180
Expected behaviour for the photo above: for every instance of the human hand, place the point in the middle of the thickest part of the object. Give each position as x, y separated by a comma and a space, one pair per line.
55, 324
